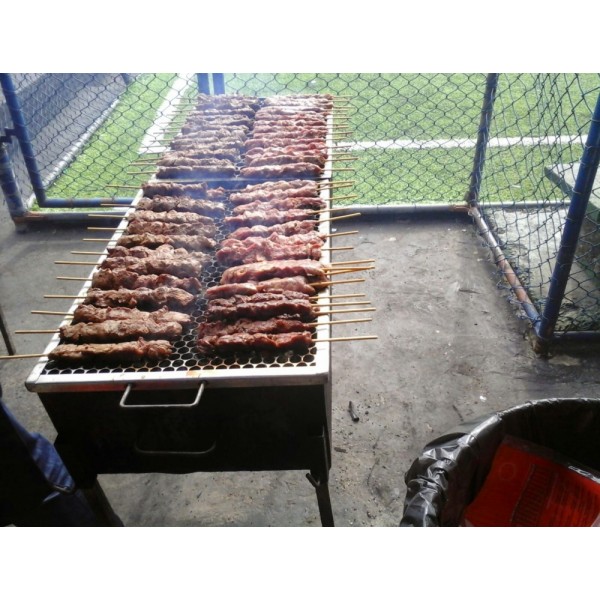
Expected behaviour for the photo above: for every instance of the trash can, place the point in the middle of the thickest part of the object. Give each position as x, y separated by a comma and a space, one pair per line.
451, 470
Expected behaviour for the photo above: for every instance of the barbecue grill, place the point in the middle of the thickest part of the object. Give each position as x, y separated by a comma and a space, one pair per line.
194, 413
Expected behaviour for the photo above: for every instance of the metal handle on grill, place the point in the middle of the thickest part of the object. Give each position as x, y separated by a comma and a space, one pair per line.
128, 389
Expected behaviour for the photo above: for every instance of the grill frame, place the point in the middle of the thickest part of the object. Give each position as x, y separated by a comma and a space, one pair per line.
98, 434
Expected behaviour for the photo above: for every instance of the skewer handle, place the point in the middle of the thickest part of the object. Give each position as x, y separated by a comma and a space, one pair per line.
14, 356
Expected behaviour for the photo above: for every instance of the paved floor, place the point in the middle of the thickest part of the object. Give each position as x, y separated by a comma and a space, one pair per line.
449, 349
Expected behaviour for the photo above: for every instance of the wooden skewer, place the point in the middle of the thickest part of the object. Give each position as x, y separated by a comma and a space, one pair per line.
337, 248
340, 217
54, 296
348, 270
122, 186
353, 262
104, 240
345, 310
355, 303
349, 339
340, 169
27, 331
63, 278
347, 197
335, 183
74, 262
14, 356
51, 312
330, 235
88, 253
317, 285
326, 210
346, 296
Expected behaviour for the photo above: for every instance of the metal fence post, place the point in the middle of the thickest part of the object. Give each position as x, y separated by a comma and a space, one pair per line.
218, 83
584, 185
483, 135
22, 135
203, 83
9, 185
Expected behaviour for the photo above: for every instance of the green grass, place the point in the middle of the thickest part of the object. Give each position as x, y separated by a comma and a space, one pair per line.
386, 106
108, 155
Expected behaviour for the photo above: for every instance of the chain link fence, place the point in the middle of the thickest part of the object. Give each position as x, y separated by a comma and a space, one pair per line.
538, 129
414, 138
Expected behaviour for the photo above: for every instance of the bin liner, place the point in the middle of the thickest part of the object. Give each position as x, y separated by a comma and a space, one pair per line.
451, 470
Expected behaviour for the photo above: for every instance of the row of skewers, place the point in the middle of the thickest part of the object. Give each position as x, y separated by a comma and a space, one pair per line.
148, 280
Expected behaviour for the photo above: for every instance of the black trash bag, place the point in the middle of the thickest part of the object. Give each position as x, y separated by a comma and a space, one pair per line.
447, 476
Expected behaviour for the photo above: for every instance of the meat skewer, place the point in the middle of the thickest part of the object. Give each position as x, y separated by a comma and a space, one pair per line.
114, 279
287, 228
141, 298
267, 217
310, 269
260, 307
245, 342
126, 352
139, 226
150, 240
254, 250
119, 331
190, 266
86, 313
301, 202
181, 204
276, 285
300, 169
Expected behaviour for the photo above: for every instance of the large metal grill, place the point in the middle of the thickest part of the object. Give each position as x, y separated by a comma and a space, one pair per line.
250, 411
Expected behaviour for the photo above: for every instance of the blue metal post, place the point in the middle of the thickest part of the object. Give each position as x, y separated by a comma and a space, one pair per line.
22, 135
570, 237
218, 83
203, 83
483, 135
10, 188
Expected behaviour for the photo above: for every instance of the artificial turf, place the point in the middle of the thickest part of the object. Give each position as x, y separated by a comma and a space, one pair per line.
384, 106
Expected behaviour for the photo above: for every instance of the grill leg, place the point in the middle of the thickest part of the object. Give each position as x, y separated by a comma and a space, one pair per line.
323, 500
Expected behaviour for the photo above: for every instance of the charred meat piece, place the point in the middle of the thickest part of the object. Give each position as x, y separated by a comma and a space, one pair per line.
139, 226
282, 204
289, 228
190, 266
254, 250
300, 169
182, 204
247, 342
119, 331
268, 217
227, 170
113, 279
86, 313
172, 216
314, 271
126, 352
141, 298
276, 285
261, 306
150, 240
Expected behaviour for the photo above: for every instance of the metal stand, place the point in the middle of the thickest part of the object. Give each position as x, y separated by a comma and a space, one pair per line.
5, 335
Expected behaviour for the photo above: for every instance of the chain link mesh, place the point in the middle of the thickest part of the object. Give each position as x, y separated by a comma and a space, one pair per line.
413, 138
539, 125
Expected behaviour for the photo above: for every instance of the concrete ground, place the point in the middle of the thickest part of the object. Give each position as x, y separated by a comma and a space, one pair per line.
450, 348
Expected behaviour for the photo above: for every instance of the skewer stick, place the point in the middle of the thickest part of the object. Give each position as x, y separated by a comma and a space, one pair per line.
345, 310
347, 197
63, 278
105, 229
337, 248
51, 312
104, 240
355, 303
11, 356
53, 296
344, 321
74, 262
349, 270
349, 339
328, 235
340, 169
28, 331
326, 210
88, 253
319, 284
344, 296
353, 262
340, 217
